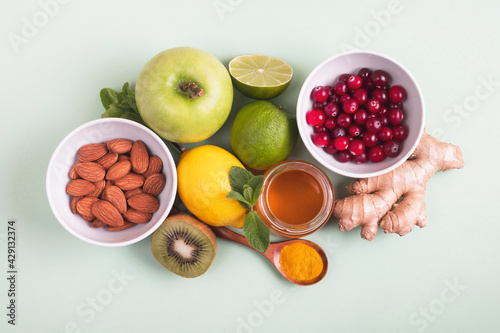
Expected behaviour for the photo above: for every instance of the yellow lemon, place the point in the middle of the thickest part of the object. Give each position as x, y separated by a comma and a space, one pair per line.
203, 175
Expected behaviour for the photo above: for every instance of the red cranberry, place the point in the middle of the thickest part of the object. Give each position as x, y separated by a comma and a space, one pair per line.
318, 105
384, 120
380, 78
361, 95
361, 158
350, 106
395, 116
373, 125
373, 105
356, 147
344, 98
330, 123
320, 94
318, 129
315, 117
331, 109
321, 139
340, 88
338, 131
343, 156
391, 148
360, 116
376, 154
399, 132
330, 148
344, 77
368, 84
355, 130
370, 139
383, 110
364, 73
330, 90
341, 143
385, 134
334, 98
354, 82
344, 120
397, 94
390, 105
381, 95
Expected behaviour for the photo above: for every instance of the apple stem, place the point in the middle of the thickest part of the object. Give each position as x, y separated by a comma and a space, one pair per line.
180, 147
192, 89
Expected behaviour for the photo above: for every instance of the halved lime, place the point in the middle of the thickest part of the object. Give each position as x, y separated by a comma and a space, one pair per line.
259, 76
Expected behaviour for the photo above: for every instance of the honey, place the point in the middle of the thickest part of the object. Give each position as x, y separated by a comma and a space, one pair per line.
297, 198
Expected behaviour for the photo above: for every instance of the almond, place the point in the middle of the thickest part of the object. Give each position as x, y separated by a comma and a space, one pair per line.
154, 184
119, 170
139, 157
99, 187
130, 181
145, 203
88, 218
108, 160
79, 187
126, 225
107, 213
72, 173
131, 193
92, 152
120, 146
155, 166
73, 203
84, 205
135, 216
114, 195
97, 224
123, 158
91, 171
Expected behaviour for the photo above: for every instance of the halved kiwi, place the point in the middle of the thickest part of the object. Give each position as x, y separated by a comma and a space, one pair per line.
184, 245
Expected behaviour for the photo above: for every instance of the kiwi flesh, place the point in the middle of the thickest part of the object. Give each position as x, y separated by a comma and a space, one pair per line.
184, 245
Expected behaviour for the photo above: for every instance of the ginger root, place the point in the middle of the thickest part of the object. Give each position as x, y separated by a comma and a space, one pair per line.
395, 200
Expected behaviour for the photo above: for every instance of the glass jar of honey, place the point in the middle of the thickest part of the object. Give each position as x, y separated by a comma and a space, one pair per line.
297, 198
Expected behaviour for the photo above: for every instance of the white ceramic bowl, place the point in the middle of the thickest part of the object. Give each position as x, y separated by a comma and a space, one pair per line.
327, 73
65, 156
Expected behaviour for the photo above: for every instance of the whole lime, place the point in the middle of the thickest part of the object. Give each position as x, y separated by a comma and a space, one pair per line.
263, 134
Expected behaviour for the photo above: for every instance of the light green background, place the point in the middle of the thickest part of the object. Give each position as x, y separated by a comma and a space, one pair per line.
443, 278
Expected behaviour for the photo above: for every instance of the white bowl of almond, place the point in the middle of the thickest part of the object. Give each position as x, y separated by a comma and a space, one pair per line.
111, 182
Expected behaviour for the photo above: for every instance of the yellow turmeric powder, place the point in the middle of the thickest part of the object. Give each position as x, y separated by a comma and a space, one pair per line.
300, 261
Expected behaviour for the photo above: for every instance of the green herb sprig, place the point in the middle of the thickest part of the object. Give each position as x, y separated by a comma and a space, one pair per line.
246, 189
120, 104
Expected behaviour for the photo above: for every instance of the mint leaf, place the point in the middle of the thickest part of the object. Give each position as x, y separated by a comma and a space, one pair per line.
246, 189
120, 104
256, 183
108, 97
241, 199
256, 232
115, 111
248, 193
238, 177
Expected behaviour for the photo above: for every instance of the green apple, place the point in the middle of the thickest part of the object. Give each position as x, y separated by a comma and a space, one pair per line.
184, 94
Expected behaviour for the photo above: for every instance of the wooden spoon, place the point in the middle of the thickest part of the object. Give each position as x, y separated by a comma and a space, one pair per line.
274, 251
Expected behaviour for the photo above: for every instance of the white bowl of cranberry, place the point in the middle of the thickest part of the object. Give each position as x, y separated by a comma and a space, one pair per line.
360, 114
